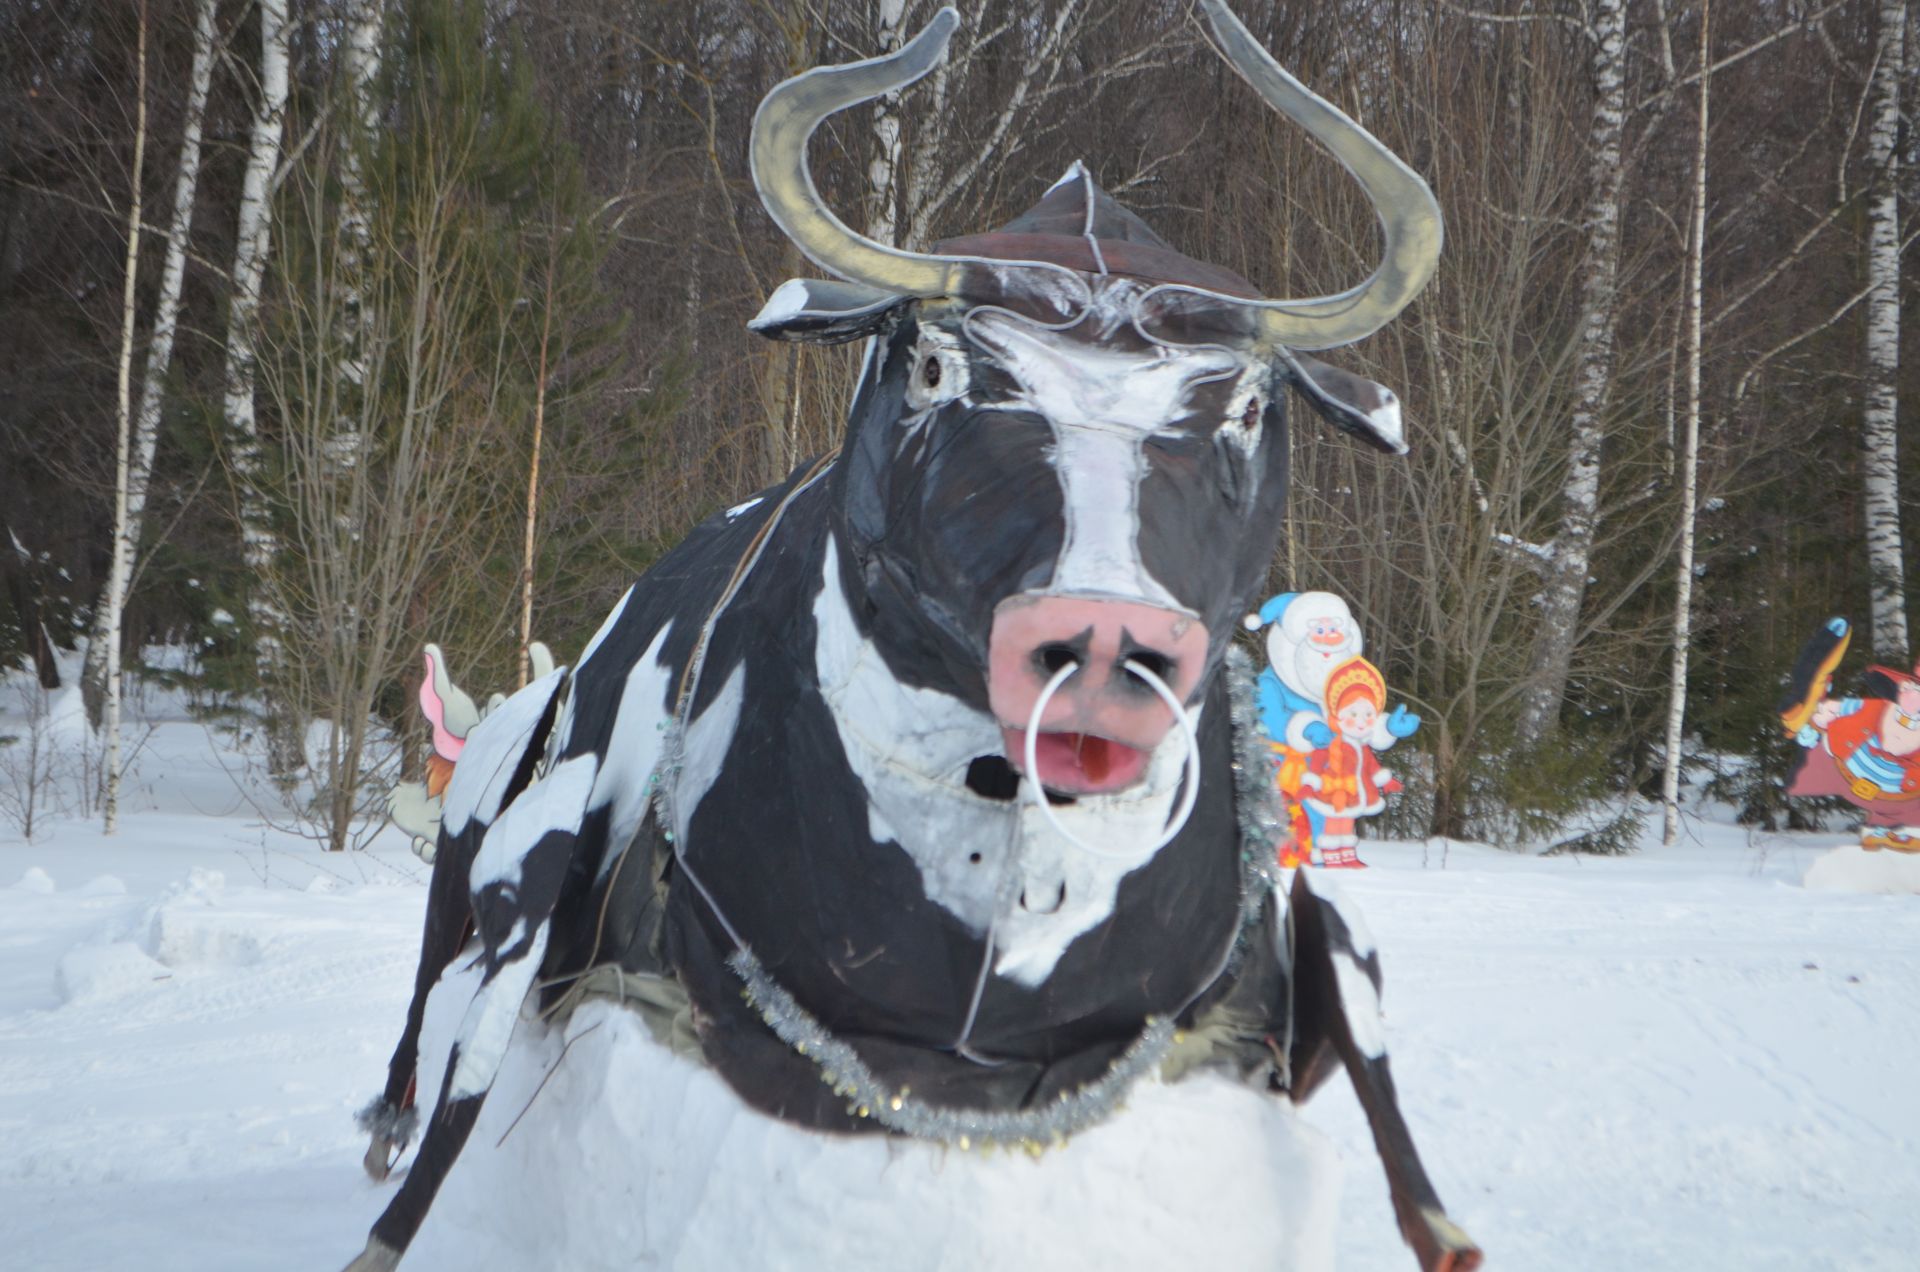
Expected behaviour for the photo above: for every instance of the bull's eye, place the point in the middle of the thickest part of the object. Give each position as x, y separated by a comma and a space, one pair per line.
939, 370
1250, 418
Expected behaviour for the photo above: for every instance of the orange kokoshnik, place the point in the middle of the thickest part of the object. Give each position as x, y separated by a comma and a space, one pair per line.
1355, 678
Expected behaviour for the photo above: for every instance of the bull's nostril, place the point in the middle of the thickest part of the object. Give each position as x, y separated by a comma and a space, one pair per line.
1051, 658
1158, 664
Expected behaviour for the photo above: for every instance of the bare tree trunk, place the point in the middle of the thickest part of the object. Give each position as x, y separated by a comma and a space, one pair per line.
361, 54
260, 543
166, 321
1572, 548
883, 172
533, 469
1690, 459
122, 549
1887, 574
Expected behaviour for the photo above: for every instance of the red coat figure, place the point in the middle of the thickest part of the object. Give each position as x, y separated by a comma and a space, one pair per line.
1344, 779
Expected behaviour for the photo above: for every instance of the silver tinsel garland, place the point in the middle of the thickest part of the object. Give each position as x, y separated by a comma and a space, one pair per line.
1032, 1130
898, 1109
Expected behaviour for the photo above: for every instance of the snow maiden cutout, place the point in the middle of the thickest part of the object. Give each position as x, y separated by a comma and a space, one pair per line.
1864, 749
920, 798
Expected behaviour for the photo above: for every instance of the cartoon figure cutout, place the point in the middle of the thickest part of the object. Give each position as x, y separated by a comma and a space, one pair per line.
415, 806
1865, 749
1312, 643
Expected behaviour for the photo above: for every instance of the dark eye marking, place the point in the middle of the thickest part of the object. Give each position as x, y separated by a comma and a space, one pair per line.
930, 372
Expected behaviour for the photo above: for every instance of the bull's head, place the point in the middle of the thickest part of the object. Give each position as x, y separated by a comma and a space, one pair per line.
1064, 471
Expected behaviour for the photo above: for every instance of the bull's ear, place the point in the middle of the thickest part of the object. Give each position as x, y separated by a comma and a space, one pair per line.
1350, 403
824, 311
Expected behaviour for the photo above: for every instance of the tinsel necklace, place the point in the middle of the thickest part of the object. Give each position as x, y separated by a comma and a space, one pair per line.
839, 1065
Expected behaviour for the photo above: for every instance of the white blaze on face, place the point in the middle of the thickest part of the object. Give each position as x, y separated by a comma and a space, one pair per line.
1103, 404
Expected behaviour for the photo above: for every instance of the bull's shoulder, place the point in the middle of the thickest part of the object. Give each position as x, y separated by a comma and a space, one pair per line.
662, 616
499, 755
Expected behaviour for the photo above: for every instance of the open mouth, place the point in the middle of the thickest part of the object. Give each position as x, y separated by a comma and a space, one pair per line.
1077, 763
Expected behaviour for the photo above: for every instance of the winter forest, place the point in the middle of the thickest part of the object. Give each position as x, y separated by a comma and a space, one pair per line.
328, 329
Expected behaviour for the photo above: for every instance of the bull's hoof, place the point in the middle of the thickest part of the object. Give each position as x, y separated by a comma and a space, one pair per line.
382, 1153
392, 1130
377, 1257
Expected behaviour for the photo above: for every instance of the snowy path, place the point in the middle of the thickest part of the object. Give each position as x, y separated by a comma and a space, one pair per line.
1679, 1060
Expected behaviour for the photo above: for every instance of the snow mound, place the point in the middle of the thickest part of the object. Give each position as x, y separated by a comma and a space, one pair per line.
94, 973
632, 1157
187, 926
105, 885
35, 880
1854, 869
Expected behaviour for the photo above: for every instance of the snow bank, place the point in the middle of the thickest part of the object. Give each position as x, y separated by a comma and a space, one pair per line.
1854, 869
95, 973
632, 1157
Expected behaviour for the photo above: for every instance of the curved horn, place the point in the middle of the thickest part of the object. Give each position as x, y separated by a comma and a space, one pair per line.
1406, 207
778, 155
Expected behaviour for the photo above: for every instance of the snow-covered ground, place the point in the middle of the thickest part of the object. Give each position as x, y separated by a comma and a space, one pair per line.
1683, 1059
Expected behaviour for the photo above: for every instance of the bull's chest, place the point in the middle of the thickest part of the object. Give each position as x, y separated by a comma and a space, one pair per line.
842, 840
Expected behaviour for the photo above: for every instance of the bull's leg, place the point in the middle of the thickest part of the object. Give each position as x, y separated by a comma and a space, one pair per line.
1337, 999
389, 1120
515, 880
446, 1135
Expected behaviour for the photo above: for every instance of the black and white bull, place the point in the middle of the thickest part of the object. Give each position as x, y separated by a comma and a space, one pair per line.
929, 749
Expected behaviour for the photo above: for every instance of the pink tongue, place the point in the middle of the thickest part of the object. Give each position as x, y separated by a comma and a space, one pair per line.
1079, 763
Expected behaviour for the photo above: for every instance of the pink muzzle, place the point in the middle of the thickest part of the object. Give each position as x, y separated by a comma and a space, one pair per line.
1102, 724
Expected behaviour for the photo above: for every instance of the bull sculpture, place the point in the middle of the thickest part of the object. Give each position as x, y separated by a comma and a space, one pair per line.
919, 790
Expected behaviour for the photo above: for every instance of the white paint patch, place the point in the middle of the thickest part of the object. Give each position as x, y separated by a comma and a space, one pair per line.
788, 299
606, 628
488, 1026
1387, 422
555, 802
633, 748
1358, 934
1078, 887
1102, 404
493, 753
748, 506
911, 747
1361, 1001
704, 748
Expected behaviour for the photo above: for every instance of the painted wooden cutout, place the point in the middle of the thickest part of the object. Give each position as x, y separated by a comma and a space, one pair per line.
1865, 748
415, 807
1312, 643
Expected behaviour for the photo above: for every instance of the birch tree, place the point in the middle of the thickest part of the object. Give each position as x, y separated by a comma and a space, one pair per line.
883, 170
260, 541
1571, 552
360, 53
116, 586
1690, 457
1880, 484
166, 323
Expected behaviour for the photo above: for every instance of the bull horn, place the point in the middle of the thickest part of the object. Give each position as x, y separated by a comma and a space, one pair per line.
1408, 214
785, 122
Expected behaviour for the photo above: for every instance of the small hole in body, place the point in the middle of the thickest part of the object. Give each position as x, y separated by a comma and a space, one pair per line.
1060, 899
992, 777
